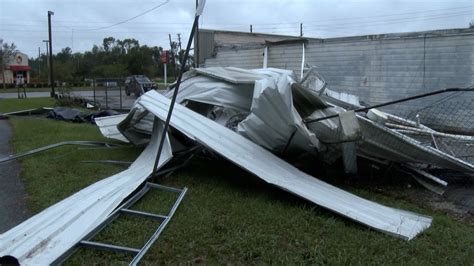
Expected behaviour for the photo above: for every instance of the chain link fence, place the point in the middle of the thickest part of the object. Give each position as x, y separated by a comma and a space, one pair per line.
109, 93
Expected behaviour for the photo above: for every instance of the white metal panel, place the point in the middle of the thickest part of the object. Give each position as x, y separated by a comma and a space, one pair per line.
273, 170
45, 236
108, 126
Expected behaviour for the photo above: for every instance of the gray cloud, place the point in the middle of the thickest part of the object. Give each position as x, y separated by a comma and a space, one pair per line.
24, 22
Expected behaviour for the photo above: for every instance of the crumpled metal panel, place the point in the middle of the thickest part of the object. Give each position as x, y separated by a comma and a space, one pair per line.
265, 94
215, 92
274, 170
274, 122
108, 126
382, 142
44, 237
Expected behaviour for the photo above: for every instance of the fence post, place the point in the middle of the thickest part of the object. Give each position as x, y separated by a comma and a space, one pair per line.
93, 89
106, 95
120, 91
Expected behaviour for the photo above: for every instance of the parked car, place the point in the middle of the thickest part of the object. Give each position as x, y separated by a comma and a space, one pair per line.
138, 84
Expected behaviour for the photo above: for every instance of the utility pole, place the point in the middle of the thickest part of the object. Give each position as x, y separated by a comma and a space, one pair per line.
46, 42
172, 54
39, 62
51, 76
301, 29
250, 28
196, 41
179, 44
179, 41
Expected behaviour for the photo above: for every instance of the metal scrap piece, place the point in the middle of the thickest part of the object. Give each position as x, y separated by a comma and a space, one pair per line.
56, 145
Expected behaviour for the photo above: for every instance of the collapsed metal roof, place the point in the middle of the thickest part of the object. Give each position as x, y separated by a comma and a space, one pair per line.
243, 115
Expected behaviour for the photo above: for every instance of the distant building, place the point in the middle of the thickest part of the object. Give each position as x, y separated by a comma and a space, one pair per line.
17, 67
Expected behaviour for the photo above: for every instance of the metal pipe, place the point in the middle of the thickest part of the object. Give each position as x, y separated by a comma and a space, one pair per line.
196, 46
160, 229
175, 93
52, 146
120, 93
108, 247
394, 102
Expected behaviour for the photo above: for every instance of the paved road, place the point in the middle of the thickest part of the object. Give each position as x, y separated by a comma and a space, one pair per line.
13, 208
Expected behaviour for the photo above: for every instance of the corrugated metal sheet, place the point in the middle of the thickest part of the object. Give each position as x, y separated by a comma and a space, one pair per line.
44, 237
108, 126
274, 170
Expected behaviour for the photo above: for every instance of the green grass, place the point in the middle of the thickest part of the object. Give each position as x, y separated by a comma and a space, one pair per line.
228, 215
11, 105
31, 89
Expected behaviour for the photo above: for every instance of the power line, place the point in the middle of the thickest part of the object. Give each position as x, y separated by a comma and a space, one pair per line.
388, 22
286, 26
76, 22
134, 17
377, 16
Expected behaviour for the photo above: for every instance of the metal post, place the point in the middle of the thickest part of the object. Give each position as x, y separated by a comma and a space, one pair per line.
176, 89
53, 94
120, 91
196, 41
250, 28
93, 89
301, 29
39, 63
106, 94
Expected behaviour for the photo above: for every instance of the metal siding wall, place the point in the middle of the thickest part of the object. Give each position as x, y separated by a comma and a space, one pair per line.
286, 56
380, 70
243, 58
383, 70
206, 45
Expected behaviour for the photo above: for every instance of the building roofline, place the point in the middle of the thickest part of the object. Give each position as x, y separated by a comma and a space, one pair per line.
257, 34
402, 35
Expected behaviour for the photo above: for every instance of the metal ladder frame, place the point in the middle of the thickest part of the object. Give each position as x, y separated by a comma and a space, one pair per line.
124, 209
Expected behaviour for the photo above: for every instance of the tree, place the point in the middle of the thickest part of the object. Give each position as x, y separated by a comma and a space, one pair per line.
7, 52
65, 55
108, 43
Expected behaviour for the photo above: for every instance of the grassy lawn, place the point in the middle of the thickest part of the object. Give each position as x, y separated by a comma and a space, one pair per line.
228, 215
31, 89
10, 105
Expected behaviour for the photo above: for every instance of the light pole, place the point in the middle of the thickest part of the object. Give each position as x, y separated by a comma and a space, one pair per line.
50, 13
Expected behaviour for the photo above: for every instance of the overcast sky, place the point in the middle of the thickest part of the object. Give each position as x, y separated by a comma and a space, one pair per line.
80, 24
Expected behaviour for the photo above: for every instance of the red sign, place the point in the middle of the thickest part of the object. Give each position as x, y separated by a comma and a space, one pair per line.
165, 57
